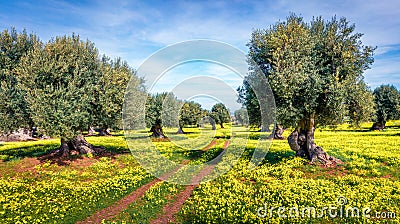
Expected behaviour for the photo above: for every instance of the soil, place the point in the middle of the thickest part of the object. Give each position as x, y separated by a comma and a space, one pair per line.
168, 211
172, 208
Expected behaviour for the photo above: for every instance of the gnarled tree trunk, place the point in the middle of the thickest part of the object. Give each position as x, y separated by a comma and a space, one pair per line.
278, 133
79, 145
302, 142
104, 131
222, 125
157, 131
212, 122
379, 125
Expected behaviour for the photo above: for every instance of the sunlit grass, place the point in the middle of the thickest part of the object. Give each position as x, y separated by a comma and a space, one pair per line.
55, 193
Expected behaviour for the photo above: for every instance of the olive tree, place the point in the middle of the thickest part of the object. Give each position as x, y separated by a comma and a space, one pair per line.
387, 105
315, 70
190, 114
220, 114
14, 113
61, 80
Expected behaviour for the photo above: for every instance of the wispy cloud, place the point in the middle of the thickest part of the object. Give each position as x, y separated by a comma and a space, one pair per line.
134, 30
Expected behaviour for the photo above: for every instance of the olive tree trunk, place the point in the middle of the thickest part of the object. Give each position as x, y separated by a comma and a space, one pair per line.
277, 134
91, 131
380, 125
212, 122
79, 145
265, 128
157, 131
104, 131
302, 142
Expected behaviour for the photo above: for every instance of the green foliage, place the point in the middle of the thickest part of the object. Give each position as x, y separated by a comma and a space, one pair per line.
190, 113
69, 89
61, 87
162, 109
312, 68
241, 116
62, 84
387, 103
166, 110
13, 108
113, 82
220, 114
360, 104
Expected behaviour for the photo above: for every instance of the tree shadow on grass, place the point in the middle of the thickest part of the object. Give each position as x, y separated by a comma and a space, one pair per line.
43, 152
187, 154
28, 151
61, 161
349, 130
272, 157
277, 157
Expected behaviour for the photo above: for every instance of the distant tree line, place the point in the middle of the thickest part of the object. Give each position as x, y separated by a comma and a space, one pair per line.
165, 110
386, 104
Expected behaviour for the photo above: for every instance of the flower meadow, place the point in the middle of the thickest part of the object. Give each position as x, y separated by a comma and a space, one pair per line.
283, 189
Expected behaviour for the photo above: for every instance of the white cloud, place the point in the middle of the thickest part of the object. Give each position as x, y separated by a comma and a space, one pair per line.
134, 30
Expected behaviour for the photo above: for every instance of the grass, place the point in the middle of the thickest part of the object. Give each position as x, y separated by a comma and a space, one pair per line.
70, 192
368, 179
148, 207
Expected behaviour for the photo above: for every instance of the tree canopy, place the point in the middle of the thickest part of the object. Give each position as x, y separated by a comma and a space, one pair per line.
115, 75
62, 87
191, 113
14, 112
220, 114
162, 109
241, 116
314, 69
387, 104
62, 83
165, 110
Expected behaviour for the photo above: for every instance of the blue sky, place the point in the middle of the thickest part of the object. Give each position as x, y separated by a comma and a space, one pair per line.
134, 30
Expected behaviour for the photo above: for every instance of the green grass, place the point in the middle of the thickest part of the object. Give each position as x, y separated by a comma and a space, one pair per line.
16, 150
51, 193
150, 205
369, 178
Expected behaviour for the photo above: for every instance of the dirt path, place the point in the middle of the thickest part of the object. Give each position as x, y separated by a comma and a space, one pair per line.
116, 208
169, 210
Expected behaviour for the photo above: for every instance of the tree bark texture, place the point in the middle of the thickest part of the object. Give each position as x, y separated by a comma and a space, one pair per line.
277, 134
302, 142
157, 131
91, 131
379, 125
104, 131
79, 145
